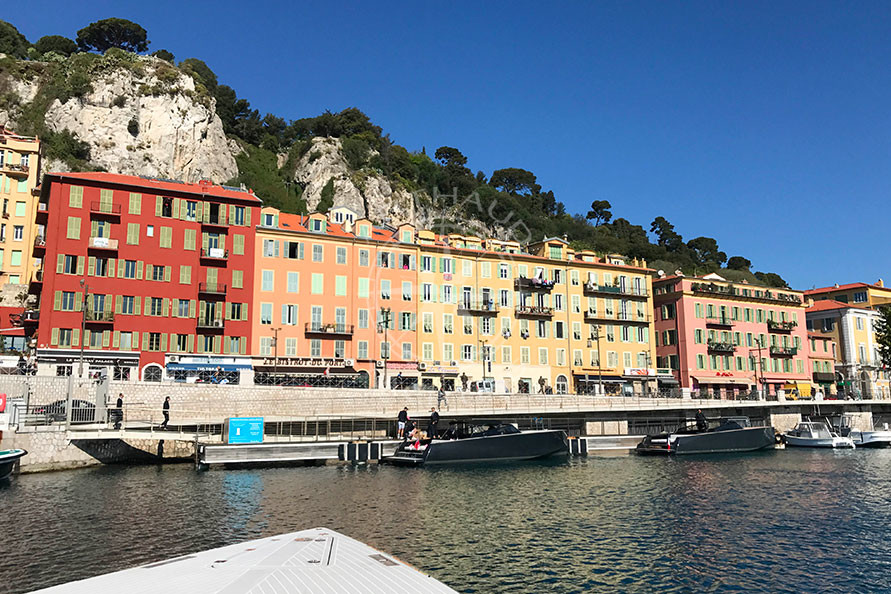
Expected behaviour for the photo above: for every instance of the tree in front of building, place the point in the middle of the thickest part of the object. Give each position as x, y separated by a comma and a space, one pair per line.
103, 35
883, 335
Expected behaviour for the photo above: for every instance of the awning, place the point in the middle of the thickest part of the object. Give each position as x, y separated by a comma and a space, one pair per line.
742, 381
668, 381
206, 366
824, 377
593, 379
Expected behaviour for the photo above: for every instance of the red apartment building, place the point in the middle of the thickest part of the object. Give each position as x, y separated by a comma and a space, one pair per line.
142, 274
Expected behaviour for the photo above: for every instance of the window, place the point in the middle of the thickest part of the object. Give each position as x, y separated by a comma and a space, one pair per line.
73, 228
859, 297
542, 356
318, 282
503, 271
406, 351
426, 264
268, 282
363, 318
293, 282
265, 345
65, 337
17, 232
341, 255
67, 301
340, 286
447, 324
406, 291
315, 347
266, 314
385, 289
158, 272
447, 294
156, 307
269, 246
149, 230
858, 320
182, 308
363, 257
467, 352
289, 315
238, 215
318, 253
238, 279
238, 311
16, 259
132, 233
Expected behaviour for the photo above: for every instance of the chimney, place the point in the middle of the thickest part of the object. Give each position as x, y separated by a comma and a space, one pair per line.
880, 283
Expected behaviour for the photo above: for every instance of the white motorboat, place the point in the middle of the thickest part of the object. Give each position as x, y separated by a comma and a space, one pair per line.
874, 438
316, 561
8, 459
816, 434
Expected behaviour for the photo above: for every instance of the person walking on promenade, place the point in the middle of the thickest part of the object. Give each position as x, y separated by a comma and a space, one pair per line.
431, 425
401, 421
166, 410
701, 421
440, 398
541, 384
119, 411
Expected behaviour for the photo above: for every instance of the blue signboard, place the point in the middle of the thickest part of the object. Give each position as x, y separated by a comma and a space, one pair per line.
245, 430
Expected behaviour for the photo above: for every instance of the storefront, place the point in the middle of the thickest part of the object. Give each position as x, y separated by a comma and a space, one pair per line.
401, 375
722, 386
206, 369
309, 372
119, 365
590, 383
434, 377
640, 381
825, 382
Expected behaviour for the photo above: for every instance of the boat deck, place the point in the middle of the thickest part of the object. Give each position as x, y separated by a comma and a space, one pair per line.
316, 561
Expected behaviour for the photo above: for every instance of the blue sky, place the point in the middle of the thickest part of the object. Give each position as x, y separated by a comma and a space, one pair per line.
762, 124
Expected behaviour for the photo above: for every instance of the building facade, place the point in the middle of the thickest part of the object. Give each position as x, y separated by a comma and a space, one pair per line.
19, 169
856, 294
822, 356
724, 339
144, 278
859, 372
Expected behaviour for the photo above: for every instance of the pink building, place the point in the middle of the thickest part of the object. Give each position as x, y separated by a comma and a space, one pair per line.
722, 339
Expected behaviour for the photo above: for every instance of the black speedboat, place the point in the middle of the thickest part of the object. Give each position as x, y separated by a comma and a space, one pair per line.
491, 442
732, 434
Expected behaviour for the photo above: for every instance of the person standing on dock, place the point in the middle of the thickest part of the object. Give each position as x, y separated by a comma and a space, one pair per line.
166, 410
434, 420
119, 412
401, 420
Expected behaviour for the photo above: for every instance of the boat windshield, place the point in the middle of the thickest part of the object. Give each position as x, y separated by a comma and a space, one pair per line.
492, 429
814, 430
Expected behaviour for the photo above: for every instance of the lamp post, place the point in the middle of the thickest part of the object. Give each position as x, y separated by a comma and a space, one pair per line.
595, 335
385, 321
275, 355
83, 326
484, 352
758, 366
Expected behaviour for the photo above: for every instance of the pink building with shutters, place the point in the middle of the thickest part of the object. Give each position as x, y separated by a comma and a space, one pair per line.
724, 339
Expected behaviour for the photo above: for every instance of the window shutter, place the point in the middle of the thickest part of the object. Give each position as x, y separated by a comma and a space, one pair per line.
139, 266
218, 314
54, 341
165, 307
247, 216
204, 241
244, 312
106, 338
116, 341
149, 272
217, 343
121, 268
75, 337
300, 251
441, 264
118, 304
134, 341
80, 266
276, 247
414, 321
231, 215
108, 304
94, 228
159, 204
191, 343
222, 213
57, 302
191, 308
137, 305
176, 208
145, 341
91, 266
199, 211
147, 306
78, 301
60, 263
164, 341
202, 309
242, 346
167, 270
111, 267
206, 214
284, 314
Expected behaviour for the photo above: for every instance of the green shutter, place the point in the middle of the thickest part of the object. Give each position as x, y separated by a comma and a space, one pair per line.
165, 307
232, 215
145, 341
106, 338
135, 203
134, 341
75, 337
91, 266
54, 341
247, 216
242, 345
60, 263
222, 214
204, 241
122, 267
111, 267
191, 343
199, 211
139, 266
167, 270
78, 301
164, 341
217, 343
57, 301
80, 266
118, 304
137, 305
116, 341
176, 208
159, 204
244, 312
191, 308
206, 214
147, 306
94, 228
202, 309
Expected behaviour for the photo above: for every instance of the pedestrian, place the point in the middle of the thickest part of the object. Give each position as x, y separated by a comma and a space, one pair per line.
431, 425
22, 365
541, 384
701, 421
464, 380
441, 397
119, 411
166, 410
401, 421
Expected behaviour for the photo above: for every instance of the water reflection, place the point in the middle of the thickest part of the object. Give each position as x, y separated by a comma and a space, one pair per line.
772, 522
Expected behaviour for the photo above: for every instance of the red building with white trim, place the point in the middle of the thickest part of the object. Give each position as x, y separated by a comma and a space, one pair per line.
166, 269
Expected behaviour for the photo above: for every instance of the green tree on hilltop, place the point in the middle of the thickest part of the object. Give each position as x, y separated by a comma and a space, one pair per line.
200, 71
739, 263
55, 43
600, 212
103, 35
883, 335
164, 55
12, 43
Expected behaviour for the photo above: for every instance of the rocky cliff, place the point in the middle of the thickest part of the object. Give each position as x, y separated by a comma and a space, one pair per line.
137, 114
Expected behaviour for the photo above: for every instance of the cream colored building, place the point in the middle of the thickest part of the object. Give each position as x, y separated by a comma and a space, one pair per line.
19, 170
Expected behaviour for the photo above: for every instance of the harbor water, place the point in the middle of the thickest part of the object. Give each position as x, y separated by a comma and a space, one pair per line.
793, 520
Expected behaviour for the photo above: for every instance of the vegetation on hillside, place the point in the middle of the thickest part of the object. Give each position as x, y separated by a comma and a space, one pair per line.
510, 200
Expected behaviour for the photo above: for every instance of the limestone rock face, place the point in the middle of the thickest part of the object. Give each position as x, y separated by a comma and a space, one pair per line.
366, 192
170, 134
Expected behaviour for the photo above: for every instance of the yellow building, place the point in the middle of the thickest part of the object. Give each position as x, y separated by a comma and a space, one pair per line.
19, 169
463, 312
856, 294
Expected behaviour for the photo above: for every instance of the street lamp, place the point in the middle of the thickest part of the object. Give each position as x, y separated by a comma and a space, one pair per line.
595, 334
757, 366
385, 321
485, 357
275, 355
83, 326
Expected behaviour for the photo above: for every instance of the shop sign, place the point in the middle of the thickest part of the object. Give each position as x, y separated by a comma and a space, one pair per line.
403, 366
640, 371
320, 363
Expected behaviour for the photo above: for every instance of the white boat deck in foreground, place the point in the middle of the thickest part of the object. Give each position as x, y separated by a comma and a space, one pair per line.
316, 561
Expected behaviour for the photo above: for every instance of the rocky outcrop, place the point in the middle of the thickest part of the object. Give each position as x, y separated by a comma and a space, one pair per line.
143, 117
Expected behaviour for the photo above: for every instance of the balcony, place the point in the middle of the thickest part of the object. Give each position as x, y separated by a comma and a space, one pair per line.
36, 282
533, 311
16, 169
333, 330
595, 289
718, 321
99, 317
481, 308
748, 293
206, 324
523, 283
42, 213
633, 318
214, 221
39, 246
216, 254
212, 289
105, 209
778, 326
29, 317
721, 347
824, 377
103, 243
781, 351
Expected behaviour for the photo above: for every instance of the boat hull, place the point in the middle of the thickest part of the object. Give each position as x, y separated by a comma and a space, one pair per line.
8, 460
819, 442
748, 439
871, 439
528, 445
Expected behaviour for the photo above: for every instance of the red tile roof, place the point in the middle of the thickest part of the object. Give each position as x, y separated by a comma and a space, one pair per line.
162, 185
827, 305
846, 287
